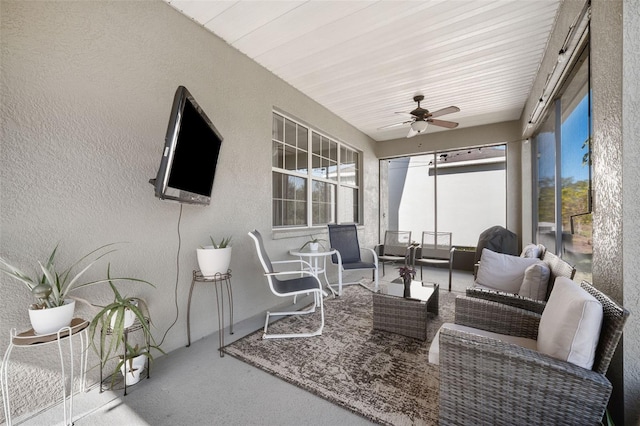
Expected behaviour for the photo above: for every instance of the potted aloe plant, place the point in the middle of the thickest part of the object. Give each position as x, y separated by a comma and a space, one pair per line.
132, 364
110, 326
313, 243
215, 258
52, 286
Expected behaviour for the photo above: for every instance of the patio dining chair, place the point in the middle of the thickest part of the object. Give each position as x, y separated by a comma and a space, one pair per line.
299, 283
348, 257
436, 249
396, 248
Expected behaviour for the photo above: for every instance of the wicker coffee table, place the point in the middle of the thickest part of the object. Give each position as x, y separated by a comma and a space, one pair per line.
406, 316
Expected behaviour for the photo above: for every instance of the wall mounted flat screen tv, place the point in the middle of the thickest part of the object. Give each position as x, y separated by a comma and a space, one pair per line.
190, 154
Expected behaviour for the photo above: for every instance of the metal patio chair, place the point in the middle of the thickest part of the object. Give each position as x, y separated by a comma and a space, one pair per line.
302, 283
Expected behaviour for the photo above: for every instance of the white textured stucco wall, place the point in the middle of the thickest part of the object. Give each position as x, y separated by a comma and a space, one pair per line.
86, 94
631, 204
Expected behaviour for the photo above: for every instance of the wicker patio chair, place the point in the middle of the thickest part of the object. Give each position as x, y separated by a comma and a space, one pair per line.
557, 268
484, 381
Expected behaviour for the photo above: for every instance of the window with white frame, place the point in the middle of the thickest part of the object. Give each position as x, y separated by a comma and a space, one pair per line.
315, 178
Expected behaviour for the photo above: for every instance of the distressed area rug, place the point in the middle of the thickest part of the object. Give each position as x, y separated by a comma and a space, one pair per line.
382, 376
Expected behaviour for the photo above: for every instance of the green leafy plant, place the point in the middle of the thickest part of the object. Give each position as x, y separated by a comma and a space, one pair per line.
226, 242
314, 240
50, 287
131, 352
111, 319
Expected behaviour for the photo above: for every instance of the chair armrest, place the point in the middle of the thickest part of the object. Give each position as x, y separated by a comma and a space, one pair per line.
496, 317
373, 253
300, 261
487, 381
510, 299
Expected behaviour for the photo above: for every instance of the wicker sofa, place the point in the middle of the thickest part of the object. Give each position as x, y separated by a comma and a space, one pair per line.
484, 381
557, 268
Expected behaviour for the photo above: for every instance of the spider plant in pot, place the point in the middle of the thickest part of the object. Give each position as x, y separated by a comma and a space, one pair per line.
313, 243
54, 305
110, 321
215, 258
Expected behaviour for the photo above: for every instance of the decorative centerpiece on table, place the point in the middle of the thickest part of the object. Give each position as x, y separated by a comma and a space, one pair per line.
313, 243
407, 273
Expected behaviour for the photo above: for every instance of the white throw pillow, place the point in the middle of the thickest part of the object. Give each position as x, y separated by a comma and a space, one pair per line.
531, 250
502, 272
535, 282
570, 325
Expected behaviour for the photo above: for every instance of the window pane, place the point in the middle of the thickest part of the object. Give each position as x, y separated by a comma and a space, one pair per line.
289, 157
277, 155
470, 180
545, 142
289, 200
333, 151
575, 169
324, 203
303, 142
290, 132
278, 128
348, 205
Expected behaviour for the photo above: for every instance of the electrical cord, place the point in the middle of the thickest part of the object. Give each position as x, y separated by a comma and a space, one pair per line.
177, 279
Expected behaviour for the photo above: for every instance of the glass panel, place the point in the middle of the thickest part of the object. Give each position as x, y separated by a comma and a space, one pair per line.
470, 183
315, 143
348, 205
323, 203
278, 128
347, 167
289, 200
545, 141
302, 162
333, 151
290, 132
289, 157
277, 155
303, 135
411, 206
575, 169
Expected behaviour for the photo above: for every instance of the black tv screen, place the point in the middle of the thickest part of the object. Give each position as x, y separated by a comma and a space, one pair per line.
190, 154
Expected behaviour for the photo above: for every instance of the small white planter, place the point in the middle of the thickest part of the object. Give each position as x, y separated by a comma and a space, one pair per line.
129, 318
47, 321
314, 246
132, 375
213, 261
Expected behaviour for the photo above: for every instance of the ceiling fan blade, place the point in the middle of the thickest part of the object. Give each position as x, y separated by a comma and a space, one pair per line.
411, 133
443, 123
406, 114
443, 111
390, 126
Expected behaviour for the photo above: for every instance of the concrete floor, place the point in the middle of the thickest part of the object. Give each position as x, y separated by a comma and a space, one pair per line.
194, 386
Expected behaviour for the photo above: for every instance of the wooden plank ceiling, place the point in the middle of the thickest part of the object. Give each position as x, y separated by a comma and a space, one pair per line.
365, 60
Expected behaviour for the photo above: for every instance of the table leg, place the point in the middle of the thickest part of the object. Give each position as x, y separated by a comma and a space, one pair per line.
64, 378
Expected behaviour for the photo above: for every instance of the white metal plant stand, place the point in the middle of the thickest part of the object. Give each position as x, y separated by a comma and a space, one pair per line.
29, 340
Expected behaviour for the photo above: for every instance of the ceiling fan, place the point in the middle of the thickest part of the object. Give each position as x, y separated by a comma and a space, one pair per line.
421, 118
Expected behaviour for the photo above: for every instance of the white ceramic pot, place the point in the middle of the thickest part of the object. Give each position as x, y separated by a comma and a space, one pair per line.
47, 321
212, 261
129, 318
314, 246
132, 375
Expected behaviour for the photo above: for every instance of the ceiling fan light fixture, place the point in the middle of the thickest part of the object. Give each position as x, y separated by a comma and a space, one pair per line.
419, 126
